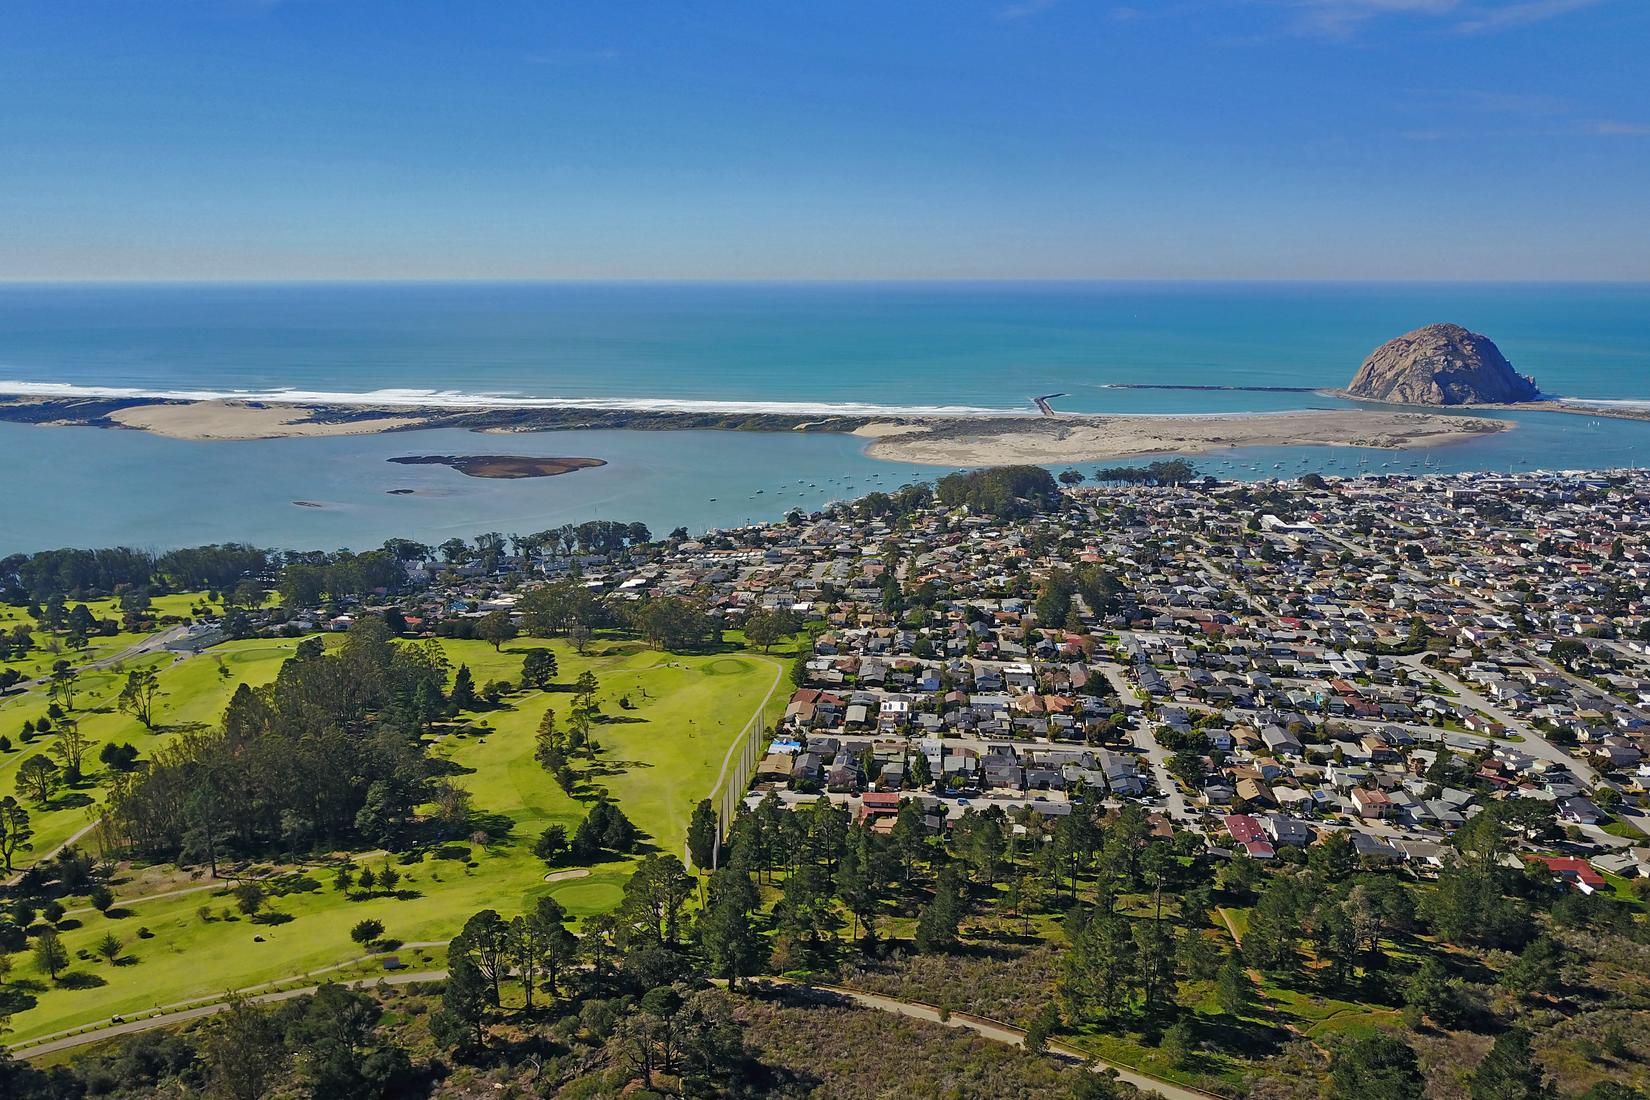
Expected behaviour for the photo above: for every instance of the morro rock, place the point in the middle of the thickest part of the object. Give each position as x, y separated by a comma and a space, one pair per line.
1441, 365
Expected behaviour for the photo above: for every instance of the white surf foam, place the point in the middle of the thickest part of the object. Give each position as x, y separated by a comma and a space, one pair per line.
454, 399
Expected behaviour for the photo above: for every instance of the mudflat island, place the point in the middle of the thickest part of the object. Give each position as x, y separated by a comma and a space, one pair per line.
503, 467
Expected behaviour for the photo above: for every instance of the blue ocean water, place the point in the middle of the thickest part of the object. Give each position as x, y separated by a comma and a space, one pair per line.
924, 344
983, 346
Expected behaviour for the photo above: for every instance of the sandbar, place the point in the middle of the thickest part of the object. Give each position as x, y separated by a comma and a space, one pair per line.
1087, 438
247, 420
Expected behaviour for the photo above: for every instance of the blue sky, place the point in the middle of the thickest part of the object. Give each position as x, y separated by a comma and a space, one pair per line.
1348, 139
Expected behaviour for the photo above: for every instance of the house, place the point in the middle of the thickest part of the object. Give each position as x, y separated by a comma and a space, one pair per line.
1579, 811
1247, 831
1371, 804
1577, 872
1287, 831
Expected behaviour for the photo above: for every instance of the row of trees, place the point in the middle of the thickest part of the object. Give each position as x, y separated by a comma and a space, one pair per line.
82, 574
1170, 471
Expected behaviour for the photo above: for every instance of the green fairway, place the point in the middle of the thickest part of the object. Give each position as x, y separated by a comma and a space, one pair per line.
194, 692
657, 759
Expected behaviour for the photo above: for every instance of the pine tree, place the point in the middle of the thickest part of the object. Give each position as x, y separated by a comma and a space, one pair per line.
463, 695
1510, 1071
463, 1010
1233, 988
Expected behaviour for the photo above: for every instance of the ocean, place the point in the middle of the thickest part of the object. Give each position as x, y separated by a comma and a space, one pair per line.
785, 347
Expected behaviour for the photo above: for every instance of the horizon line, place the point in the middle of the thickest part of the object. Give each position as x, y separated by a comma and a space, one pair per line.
805, 280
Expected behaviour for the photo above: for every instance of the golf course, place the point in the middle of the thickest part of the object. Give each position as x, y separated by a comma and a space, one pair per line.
666, 724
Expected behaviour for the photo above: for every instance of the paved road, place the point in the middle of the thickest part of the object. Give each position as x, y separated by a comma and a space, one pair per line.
182, 1016
1534, 743
154, 643
1157, 757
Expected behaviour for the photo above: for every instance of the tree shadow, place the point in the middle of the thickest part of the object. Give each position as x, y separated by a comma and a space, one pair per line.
80, 979
1240, 1037
72, 801
497, 826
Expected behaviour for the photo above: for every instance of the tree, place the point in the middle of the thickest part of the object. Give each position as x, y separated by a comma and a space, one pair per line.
1538, 969
138, 696
64, 677
1612, 1090
1430, 993
366, 931
243, 1051
555, 945
551, 844
1379, 1067
1233, 988
1099, 965
1333, 857
732, 947
940, 919
249, 897
1510, 1071
15, 831
118, 756
37, 777
496, 628
109, 946
764, 628
463, 695
50, 956
650, 914
1179, 1044
485, 942
458, 1023
703, 829
538, 667
70, 747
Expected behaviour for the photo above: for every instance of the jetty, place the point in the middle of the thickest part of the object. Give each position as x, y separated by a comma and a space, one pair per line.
1043, 405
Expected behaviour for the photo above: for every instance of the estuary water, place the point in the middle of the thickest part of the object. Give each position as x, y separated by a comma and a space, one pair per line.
807, 347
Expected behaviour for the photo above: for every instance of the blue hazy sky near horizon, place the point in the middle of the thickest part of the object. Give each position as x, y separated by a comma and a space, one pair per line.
1221, 139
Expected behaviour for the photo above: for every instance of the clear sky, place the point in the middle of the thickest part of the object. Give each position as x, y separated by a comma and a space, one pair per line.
205, 139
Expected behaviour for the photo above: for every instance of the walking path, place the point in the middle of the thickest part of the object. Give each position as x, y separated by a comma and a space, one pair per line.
182, 1016
994, 1030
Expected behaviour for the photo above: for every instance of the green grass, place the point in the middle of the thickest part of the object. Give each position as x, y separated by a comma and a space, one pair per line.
195, 692
1236, 920
166, 610
1625, 830
661, 762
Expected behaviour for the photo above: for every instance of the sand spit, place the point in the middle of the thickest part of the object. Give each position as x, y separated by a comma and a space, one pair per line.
247, 420
1088, 438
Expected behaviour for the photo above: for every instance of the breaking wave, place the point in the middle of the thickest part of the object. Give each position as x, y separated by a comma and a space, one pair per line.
454, 399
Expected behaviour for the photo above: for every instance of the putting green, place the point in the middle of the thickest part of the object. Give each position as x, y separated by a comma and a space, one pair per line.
593, 897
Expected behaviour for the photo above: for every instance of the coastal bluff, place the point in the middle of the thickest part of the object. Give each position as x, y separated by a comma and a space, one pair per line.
1441, 365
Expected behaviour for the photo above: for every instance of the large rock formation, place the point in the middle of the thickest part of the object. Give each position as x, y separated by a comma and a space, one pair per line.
1441, 365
